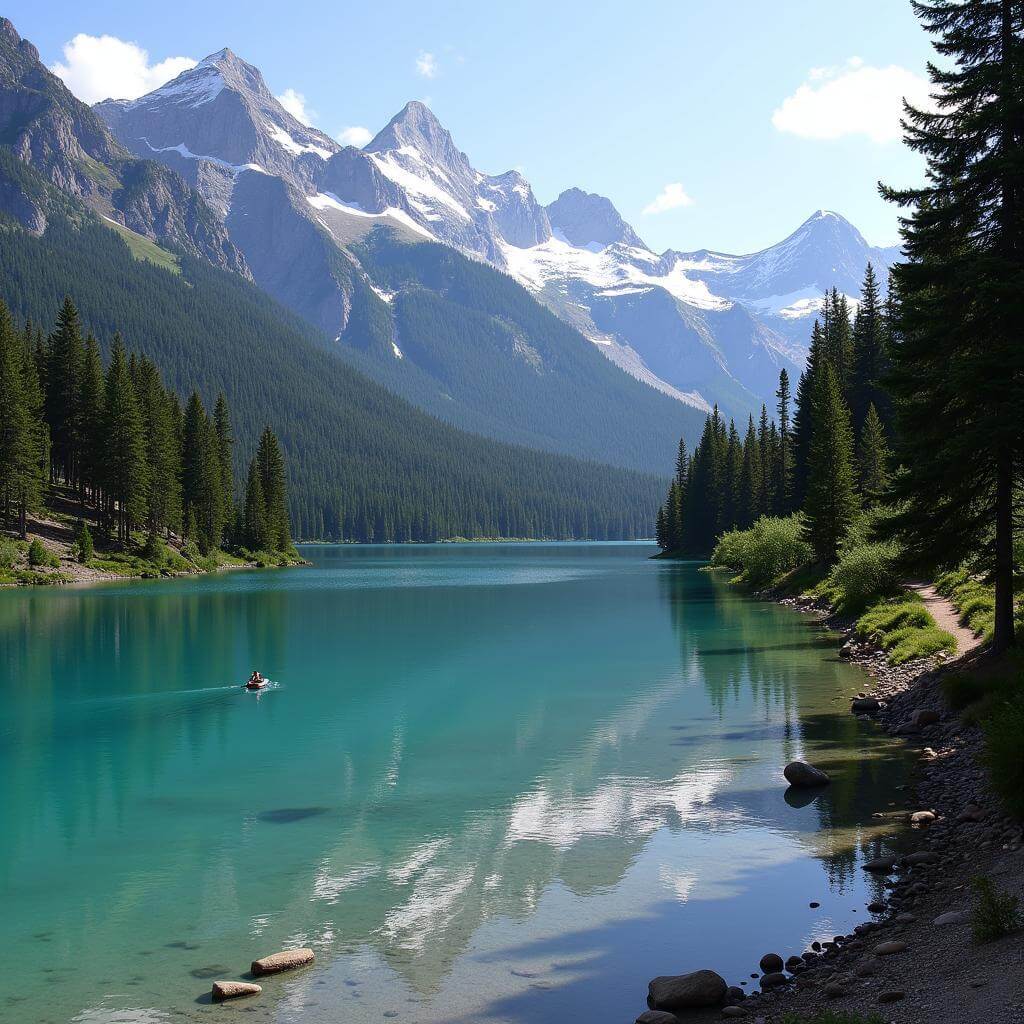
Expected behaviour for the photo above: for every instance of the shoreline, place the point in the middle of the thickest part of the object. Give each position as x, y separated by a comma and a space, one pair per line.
914, 961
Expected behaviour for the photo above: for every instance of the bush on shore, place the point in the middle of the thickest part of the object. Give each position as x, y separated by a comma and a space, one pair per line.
769, 550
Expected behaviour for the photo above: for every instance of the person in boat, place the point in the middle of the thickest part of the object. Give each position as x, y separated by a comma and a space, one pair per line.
255, 680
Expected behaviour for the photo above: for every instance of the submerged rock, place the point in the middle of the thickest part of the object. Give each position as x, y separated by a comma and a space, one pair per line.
880, 865
804, 775
286, 960
684, 991
233, 989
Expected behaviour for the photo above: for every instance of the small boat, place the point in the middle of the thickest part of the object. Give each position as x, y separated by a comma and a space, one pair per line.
256, 684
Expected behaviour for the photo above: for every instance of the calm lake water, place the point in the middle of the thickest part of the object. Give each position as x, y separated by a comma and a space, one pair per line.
494, 783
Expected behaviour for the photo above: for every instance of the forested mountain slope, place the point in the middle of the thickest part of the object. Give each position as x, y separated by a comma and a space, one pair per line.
364, 464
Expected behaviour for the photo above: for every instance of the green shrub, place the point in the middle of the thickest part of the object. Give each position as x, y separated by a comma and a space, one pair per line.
905, 629
83, 542
8, 553
1004, 750
771, 548
154, 550
38, 555
864, 573
995, 913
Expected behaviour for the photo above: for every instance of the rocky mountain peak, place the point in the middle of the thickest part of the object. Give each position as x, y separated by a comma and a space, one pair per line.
586, 219
415, 126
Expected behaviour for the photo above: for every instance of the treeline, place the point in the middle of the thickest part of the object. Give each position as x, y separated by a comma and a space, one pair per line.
120, 443
363, 465
824, 457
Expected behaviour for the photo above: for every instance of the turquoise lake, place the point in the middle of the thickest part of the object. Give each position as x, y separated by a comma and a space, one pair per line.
502, 783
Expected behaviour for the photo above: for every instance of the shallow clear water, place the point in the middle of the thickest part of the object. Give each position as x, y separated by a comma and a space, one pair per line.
493, 783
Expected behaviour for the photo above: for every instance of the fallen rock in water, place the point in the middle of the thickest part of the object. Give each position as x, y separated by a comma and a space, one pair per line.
656, 1017
880, 865
888, 948
952, 917
233, 989
773, 979
865, 706
286, 960
770, 963
804, 775
922, 819
684, 991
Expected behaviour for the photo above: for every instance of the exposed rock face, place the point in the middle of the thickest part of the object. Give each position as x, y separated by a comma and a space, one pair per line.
286, 960
71, 148
686, 991
586, 219
804, 775
233, 989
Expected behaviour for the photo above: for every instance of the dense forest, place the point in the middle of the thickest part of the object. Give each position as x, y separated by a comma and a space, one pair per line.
906, 447
363, 465
122, 445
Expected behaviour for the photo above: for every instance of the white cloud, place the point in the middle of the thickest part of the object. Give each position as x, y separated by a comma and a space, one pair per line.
671, 197
426, 65
854, 99
295, 103
105, 67
354, 135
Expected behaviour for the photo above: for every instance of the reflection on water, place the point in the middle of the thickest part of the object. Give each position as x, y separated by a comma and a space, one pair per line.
496, 783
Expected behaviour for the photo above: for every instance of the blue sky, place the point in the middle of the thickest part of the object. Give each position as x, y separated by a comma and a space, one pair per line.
728, 124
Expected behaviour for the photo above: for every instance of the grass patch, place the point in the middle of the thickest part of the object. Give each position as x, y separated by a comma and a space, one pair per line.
143, 248
994, 913
1004, 751
905, 629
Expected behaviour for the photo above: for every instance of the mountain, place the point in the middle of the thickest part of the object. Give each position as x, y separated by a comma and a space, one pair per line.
46, 128
700, 327
326, 230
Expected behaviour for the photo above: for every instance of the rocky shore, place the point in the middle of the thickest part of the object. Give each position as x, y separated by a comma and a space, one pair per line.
916, 960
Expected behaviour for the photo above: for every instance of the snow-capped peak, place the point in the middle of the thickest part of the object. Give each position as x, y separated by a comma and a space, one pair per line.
585, 219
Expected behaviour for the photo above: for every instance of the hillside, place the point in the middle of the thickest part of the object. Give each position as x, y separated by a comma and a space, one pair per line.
364, 464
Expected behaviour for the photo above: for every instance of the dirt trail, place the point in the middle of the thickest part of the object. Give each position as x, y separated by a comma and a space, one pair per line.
946, 616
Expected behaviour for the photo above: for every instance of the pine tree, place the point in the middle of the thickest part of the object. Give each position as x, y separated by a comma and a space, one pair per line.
91, 397
733, 479
832, 499
838, 339
802, 417
65, 354
124, 467
163, 453
750, 477
874, 456
765, 464
20, 483
784, 468
257, 531
958, 366
225, 445
869, 353
275, 494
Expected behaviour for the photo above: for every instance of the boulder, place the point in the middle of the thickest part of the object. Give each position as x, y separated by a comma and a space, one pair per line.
804, 775
892, 996
921, 857
770, 963
865, 706
656, 1017
924, 716
793, 962
734, 994
922, 819
233, 989
951, 917
880, 865
834, 990
972, 812
729, 1012
888, 948
684, 991
286, 960
773, 979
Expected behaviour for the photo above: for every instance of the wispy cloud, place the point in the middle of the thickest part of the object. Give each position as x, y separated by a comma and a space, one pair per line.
671, 197
354, 135
295, 103
105, 67
852, 99
426, 65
